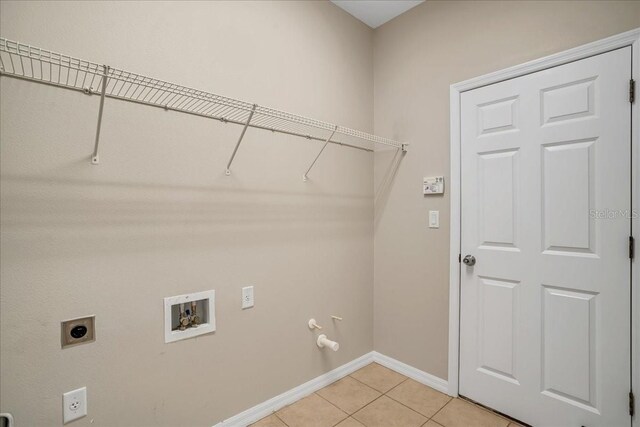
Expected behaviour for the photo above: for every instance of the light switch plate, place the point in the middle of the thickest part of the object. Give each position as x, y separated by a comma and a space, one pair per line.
74, 405
78, 331
434, 219
247, 297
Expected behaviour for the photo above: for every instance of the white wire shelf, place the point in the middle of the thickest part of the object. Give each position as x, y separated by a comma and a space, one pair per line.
35, 64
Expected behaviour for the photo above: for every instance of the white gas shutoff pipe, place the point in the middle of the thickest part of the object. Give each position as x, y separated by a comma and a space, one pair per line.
323, 341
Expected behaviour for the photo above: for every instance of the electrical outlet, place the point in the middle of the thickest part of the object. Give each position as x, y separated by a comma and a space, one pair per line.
74, 404
78, 331
247, 297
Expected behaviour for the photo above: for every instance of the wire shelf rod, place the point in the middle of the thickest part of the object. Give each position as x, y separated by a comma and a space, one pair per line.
235, 150
305, 176
95, 159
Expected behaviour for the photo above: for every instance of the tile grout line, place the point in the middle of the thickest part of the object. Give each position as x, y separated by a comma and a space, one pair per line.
344, 412
365, 407
435, 422
395, 400
361, 382
428, 418
402, 404
413, 410
348, 414
438, 411
281, 420
364, 384
388, 397
398, 385
329, 402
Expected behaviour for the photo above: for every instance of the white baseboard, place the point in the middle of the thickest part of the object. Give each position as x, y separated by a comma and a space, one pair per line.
264, 409
411, 372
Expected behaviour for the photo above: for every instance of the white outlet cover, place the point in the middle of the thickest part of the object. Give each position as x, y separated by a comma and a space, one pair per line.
247, 297
74, 405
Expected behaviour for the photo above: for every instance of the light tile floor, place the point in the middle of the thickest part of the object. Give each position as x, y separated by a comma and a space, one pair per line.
375, 396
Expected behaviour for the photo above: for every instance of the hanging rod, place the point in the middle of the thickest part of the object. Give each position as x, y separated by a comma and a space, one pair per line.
43, 66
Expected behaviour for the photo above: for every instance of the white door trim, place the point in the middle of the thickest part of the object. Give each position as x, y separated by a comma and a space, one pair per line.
629, 38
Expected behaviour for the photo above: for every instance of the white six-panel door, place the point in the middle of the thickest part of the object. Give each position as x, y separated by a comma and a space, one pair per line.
545, 311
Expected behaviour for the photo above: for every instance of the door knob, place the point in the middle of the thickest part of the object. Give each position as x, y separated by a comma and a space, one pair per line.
469, 260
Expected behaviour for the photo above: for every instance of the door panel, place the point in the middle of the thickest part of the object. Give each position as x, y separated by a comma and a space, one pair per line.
497, 198
569, 344
544, 323
498, 116
497, 326
568, 101
568, 177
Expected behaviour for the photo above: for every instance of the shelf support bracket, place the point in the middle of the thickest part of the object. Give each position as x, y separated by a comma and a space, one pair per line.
95, 159
244, 129
327, 141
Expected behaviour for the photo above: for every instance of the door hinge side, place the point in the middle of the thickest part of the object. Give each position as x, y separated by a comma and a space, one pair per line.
632, 91
632, 247
459, 258
632, 404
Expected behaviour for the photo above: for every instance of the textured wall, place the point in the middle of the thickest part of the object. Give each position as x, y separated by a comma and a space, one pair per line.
158, 217
417, 56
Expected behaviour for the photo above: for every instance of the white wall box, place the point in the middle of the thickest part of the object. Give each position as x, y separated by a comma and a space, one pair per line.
189, 315
433, 185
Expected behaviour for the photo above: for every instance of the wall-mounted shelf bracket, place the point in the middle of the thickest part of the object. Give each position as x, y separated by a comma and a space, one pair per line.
244, 129
305, 177
95, 159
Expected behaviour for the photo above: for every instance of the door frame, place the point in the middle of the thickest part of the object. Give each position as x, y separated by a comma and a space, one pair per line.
629, 38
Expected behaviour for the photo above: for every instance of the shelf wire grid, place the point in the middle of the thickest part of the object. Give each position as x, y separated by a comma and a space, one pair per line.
44, 66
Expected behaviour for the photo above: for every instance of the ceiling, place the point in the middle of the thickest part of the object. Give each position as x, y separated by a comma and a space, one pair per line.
376, 12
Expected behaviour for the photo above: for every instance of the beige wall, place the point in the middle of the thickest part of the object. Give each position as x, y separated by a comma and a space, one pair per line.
416, 57
158, 217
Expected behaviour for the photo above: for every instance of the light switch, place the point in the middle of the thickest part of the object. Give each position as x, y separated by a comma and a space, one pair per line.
434, 219
247, 297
